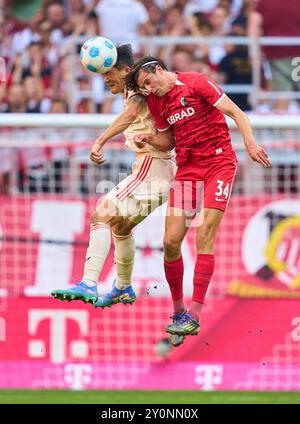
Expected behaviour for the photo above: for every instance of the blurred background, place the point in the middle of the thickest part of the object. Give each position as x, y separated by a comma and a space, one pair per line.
51, 112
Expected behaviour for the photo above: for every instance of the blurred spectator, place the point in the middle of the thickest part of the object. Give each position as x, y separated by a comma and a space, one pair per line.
174, 27
59, 155
22, 39
173, 22
201, 26
33, 62
75, 8
16, 102
274, 18
233, 6
34, 95
59, 105
46, 44
202, 6
235, 68
182, 61
55, 14
122, 20
220, 26
156, 19
86, 104
64, 84
6, 166
200, 65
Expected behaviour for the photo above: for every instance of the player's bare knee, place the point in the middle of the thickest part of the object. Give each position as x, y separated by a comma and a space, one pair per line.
122, 227
95, 217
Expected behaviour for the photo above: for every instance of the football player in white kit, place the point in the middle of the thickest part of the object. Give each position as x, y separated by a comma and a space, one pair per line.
130, 202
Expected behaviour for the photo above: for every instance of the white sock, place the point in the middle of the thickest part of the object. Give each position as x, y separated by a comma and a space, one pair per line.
96, 254
124, 259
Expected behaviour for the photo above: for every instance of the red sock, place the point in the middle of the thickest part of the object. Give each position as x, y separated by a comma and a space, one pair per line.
174, 276
204, 269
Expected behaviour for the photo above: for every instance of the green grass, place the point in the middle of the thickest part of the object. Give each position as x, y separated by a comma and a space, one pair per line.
145, 397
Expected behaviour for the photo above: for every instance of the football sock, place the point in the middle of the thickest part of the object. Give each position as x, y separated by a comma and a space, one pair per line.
204, 269
99, 245
124, 259
174, 276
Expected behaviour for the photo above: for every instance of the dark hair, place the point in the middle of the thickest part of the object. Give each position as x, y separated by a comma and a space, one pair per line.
62, 101
125, 56
35, 43
148, 64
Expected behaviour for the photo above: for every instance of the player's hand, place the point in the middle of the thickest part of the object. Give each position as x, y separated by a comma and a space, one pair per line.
258, 154
97, 155
141, 140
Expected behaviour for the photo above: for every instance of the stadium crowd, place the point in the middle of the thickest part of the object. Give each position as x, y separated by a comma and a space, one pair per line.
41, 49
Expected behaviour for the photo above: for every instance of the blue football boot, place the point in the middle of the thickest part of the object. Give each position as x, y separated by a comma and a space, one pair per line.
125, 296
79, 292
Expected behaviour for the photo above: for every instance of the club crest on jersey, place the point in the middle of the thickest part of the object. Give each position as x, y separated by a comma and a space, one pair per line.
184, 101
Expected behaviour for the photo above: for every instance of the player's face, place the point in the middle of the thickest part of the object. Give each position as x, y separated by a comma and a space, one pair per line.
114, 79
153, 83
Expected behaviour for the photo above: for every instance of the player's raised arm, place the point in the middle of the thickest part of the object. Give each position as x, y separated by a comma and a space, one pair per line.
162, 140
120, 124
257, 153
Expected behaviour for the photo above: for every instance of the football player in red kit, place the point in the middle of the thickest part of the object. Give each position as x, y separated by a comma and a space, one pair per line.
189, 109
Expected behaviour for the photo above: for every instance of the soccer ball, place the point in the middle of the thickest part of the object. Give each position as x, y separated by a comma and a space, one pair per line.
98, 54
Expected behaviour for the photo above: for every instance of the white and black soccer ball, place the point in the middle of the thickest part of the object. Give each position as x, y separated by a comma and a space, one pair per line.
98, 55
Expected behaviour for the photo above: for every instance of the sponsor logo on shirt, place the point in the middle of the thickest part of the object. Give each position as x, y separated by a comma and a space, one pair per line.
185, 113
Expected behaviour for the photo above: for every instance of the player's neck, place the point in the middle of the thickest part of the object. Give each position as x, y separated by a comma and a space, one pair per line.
171, 78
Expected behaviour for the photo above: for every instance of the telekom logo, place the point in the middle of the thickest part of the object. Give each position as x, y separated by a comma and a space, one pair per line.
208, 376
58, 334
296, 331
77, 376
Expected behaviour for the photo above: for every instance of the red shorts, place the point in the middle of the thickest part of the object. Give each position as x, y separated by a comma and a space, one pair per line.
204, 183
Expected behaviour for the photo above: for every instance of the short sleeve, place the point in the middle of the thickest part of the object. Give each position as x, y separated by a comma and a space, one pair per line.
205, 87
160, 121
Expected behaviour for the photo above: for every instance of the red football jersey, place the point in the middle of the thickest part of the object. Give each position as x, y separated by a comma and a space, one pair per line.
189, 108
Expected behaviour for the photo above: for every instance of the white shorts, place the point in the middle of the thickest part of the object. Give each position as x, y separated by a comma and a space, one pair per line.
145, 189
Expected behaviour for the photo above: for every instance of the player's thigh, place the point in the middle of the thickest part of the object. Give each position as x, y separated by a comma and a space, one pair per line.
109, 213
